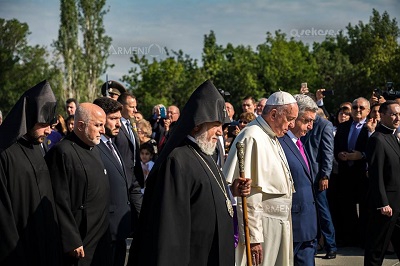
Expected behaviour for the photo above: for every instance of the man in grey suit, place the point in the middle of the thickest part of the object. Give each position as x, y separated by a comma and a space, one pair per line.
124, 192
319, 144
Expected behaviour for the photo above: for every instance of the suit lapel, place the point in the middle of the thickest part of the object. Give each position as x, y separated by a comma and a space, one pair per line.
123, 128
122, 162
297, 153
392, 141
346, 133
111, 157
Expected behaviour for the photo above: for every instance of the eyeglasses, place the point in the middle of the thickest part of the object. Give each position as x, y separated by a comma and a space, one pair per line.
243, 122
355, 107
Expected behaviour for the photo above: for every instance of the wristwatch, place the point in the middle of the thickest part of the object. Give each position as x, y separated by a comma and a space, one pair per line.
324, 178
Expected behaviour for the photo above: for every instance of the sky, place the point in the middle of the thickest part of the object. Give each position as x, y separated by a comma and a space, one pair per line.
146, 27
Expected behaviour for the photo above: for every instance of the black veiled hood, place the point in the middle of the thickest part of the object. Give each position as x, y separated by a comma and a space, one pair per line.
205, 104
36, 105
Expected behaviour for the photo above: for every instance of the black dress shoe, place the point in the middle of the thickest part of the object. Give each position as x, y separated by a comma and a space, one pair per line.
330, 255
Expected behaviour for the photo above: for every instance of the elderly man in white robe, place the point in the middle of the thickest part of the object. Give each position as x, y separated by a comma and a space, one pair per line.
269, 203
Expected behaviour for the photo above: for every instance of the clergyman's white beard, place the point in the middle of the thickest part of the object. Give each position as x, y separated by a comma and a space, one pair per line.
208, 147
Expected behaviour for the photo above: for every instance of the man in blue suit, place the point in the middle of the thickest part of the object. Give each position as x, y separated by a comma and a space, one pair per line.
125, 194
304, 212
319, 144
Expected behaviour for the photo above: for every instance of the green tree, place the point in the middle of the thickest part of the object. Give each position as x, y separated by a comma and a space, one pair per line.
96, 44
21, 66
285, 64
82, 64
67, 47
238, 74
373, 49
168, 81
334, 72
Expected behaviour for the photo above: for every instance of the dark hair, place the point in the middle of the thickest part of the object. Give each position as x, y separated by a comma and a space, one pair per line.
70, 117
109, 105
72, 100
147, 146
249, 98
122, 98
385, 106
376, 104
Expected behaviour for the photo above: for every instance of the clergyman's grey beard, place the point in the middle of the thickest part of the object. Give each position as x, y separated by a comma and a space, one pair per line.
208, 147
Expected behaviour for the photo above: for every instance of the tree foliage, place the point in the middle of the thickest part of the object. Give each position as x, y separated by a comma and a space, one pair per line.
353, 63
21, 66
82, 62
169, 81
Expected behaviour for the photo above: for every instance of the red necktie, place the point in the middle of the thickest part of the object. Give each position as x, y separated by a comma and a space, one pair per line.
300, 145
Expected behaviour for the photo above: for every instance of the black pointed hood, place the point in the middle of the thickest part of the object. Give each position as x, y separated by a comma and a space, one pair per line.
36, 105
205, 104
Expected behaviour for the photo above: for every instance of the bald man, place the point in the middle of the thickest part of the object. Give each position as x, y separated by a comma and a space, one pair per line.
81, 189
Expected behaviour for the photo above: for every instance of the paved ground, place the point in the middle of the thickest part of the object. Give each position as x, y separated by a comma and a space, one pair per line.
352, 256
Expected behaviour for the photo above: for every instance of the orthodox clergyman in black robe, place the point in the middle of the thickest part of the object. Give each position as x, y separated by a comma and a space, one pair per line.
186, 216
81, 190
28, 223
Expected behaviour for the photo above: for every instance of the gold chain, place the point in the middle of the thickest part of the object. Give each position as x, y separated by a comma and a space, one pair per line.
222, 181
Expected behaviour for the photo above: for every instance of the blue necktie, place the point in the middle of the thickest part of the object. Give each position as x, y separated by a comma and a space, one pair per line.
354, 136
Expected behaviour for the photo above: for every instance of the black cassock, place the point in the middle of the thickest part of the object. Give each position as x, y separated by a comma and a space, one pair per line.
81, 193
184, 219
28, 228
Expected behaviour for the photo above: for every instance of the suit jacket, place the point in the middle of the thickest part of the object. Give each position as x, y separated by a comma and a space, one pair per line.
341, 144
304, 212
130, 154
383, 153
124, 193
319, 146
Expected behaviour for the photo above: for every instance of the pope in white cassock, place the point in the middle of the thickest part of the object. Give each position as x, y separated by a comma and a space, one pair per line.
269, 204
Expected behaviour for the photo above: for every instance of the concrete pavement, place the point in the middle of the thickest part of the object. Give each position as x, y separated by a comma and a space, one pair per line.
348, 256
351, 256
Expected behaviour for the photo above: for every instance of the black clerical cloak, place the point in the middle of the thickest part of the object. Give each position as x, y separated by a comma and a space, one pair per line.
28, 229
184, 218
81, 192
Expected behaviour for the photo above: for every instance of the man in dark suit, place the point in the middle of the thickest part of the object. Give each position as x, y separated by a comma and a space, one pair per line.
319, 145
304, 212
383, 154
127, 140
124, 192
352, 183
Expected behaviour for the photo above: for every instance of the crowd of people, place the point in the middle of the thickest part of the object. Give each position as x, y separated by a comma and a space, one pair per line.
74, 188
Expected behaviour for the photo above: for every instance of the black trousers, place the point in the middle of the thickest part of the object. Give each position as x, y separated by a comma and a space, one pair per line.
381, 231
118, 252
